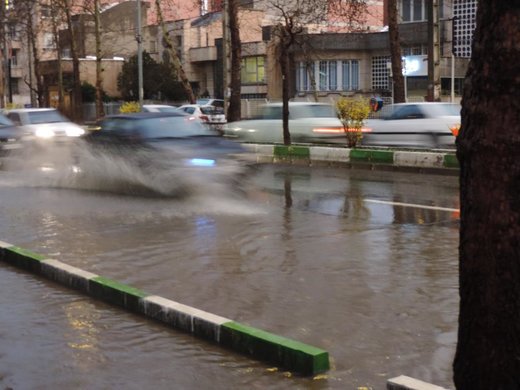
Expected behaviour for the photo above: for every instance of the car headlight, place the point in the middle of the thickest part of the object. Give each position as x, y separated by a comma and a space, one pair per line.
44, 133
75, 132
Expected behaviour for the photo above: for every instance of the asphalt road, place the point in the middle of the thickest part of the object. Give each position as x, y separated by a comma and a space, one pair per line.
360, 263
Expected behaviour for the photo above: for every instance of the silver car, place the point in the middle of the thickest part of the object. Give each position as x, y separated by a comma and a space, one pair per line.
422, 125
44, 124
309, 122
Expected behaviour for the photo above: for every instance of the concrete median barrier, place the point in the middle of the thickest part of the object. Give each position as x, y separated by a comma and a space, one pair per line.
258, 344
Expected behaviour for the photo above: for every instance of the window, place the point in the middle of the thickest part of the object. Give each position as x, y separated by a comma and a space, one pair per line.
48, 41
328, 75
14, 86
253, 70
412, 10
380, 73
350, 71
304, 75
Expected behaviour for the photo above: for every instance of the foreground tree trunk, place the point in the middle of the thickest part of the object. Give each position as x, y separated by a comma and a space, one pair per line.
488, 349
395, 53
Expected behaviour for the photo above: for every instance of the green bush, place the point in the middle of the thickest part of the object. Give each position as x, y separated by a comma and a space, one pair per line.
352, 113
128, 107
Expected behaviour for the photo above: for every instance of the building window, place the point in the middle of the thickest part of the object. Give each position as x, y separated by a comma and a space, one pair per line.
253, 70
350, 73
328, 75
380, 73
412, 10
153, 46
304, 75
14, 86
14, 57
464, 23
48, 41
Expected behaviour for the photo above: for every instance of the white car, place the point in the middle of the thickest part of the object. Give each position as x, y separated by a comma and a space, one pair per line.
44, 124
421, 125
309, 122
210, 115
159, 108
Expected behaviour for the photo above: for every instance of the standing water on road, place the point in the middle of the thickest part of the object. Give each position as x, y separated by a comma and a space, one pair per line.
362, 264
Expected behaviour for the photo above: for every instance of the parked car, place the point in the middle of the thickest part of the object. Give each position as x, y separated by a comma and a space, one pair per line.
42, 125
10, 136
210, 102
309, 122
159, 108
210, 115
414, 125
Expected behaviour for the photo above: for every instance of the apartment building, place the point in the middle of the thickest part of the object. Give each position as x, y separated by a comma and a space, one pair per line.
332, 63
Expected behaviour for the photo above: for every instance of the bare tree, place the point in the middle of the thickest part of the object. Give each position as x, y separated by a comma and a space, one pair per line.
68, 7
395, 53
168, 42
488, 347
293, 17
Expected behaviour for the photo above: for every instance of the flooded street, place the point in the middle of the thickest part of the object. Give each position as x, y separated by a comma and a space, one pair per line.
360, 263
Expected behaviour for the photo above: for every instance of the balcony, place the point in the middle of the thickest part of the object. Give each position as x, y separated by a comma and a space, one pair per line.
16, 72
203, 54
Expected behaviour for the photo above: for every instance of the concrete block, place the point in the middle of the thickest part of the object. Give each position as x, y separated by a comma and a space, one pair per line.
418, 159
406, 383
330, 154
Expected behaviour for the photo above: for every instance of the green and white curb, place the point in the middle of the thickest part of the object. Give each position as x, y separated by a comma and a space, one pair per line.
289, 354
321, 154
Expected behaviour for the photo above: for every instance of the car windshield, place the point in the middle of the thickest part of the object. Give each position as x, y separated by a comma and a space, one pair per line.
210, 110
159, 127
50, 116
203, 101
4, 121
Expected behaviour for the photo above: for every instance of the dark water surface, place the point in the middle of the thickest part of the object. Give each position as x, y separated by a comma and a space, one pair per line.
313, 254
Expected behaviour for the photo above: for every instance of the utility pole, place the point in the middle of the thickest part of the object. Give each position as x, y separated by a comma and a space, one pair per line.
434, 53
139, 40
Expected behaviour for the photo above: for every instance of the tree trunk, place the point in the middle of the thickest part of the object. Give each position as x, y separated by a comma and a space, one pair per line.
100, 110
488, 348
284, 63
36, 61
76, 112
395, 53
234, 109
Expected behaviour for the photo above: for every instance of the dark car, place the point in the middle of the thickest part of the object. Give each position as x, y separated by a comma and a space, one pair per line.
161, 145
10, 135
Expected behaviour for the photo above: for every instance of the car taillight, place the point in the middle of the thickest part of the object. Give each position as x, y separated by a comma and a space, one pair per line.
455, 129
336, 130
204, 118
328, 130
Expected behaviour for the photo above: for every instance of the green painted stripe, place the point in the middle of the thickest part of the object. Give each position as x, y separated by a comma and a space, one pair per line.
22, 258
26, 253
116, 293
451, 161
376, 156
290, 354
291, 151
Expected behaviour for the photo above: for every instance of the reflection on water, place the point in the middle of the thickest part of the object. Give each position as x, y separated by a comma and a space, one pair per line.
300, 253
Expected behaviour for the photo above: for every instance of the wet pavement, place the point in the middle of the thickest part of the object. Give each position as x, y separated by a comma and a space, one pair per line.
360, 263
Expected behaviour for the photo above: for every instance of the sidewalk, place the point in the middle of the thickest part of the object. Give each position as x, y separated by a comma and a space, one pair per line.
428, 161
